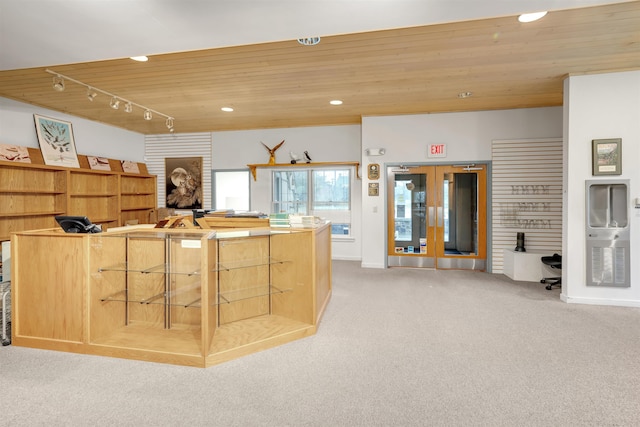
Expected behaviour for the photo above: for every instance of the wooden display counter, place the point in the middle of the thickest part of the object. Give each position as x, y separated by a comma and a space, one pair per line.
188, 297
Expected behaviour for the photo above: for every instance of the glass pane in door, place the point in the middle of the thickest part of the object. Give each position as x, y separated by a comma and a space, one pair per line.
410, 212
460, 213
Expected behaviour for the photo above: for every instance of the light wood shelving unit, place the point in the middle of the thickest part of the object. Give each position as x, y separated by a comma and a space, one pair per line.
190, 297
33, 194
137, 197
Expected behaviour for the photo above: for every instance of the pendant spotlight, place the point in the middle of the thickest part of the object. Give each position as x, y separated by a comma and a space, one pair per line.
58, 83
92, 93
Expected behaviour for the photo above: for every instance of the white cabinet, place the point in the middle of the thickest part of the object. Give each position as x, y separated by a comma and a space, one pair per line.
526, 266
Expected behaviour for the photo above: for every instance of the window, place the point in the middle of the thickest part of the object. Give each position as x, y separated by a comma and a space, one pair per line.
325, 193
231, 189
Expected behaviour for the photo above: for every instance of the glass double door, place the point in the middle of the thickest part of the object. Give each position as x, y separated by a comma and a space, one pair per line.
437, 216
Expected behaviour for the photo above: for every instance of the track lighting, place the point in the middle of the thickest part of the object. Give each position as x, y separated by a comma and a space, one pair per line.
58, 83
92, 93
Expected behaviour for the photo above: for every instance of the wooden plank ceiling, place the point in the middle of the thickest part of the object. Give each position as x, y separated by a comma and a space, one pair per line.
504, 63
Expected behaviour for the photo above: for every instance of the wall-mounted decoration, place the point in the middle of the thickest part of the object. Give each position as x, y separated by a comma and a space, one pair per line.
56, 142
129, 166
14, 153
607, 156
99, 163
272, 152
374, 188
373, 171
184, 182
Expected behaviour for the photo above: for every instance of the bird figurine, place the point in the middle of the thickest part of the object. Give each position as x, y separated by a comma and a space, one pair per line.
294, 157
307, 157
272, 152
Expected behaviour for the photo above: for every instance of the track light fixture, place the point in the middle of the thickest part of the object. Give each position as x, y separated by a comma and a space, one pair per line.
92, 93
169, 124
58, 83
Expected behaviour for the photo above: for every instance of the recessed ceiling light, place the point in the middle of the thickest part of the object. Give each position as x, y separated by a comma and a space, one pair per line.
530, 17
139, 58
227, 109
465, 95
335, 102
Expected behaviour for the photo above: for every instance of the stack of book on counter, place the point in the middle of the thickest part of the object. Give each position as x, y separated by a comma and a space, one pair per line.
304, 221
279, 220
230, 213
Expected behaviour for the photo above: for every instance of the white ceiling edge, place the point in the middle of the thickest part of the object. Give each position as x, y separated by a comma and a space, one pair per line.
35, 33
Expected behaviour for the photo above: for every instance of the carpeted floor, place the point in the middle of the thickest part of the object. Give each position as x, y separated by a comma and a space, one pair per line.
397, 347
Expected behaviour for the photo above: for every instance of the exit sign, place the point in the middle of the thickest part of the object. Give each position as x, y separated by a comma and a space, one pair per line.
437, 150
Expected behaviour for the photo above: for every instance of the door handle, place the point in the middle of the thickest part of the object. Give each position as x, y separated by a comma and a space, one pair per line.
440, 217
431, 219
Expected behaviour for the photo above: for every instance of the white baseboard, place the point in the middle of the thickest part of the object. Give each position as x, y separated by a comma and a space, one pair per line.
600, 301
368, 265
346, 258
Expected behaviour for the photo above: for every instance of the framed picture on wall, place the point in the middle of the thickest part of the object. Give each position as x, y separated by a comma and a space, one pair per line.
184, 182
56, 142
607, 156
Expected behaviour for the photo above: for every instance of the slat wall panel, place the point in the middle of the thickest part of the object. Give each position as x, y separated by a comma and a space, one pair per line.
159, 147
526, 196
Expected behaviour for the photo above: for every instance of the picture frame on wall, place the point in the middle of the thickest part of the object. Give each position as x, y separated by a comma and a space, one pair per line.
607, 156
56, 141
183, 182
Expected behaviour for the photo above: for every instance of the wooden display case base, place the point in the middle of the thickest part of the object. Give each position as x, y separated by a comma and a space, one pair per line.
248, 336
90, 298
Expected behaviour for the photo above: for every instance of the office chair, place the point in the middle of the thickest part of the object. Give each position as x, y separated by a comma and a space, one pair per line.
554, 262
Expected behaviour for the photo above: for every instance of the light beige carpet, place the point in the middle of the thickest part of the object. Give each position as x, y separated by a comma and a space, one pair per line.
398, 347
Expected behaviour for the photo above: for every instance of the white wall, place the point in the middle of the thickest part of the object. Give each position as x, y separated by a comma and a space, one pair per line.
92, 138
598, 107
236, 149
468, 138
